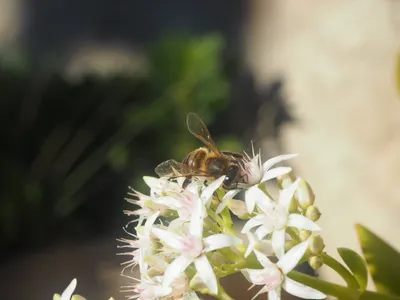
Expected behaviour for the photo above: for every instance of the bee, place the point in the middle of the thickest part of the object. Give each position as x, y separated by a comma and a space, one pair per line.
207, 162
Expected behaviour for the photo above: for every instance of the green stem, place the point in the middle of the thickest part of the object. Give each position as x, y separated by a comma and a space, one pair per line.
231, 255
232, 269
228, 228
226, 217
213, 215
325, 287
341, 270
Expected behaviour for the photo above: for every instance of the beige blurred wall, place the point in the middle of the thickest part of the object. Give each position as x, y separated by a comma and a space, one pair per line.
10, 22
338, 60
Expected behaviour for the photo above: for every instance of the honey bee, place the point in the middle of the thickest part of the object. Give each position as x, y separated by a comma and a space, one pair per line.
207, 162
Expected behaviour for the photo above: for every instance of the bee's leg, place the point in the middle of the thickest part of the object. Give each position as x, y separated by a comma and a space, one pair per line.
187, 181
215, 194
244, 178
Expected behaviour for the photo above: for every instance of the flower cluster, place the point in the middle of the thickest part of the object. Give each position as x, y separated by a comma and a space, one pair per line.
185, 239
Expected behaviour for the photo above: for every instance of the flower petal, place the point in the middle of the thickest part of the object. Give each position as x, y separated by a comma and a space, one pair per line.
218, 241
181, 180
275, 172
300, 290
287, 194
175, 269
278, 242
206, 273
254, 276
149, 223
253, 170
265, 247
251, 245
151, 181
301, 222
263, 290
143, 265
274, 294
253, 222
177, 226
161, 291
193, 188
168, 201
207, 193
66, 295
196, 219
171, 239
228, 196
255, 195
264, 260
292, 257
277, 159
250, 204
262, 231
238, 208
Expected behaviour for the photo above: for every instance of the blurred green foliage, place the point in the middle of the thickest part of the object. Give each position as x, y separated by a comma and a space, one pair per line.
356, 265
383, 262
64, 144
380, 259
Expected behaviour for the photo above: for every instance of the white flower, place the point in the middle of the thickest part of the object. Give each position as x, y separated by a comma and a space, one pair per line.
275, 217
185, 201
256, 173
161, 186
142, 244
208, 192
273, 276
192, 249
263, 246
228, 196
150, 289
147, 206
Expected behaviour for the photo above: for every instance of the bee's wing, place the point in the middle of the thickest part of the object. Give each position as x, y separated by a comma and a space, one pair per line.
172, 168
197, 127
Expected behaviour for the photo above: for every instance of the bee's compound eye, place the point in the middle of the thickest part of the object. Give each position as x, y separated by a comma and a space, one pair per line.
231, 175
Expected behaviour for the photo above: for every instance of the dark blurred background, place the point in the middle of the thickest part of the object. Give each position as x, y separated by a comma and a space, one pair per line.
93, 95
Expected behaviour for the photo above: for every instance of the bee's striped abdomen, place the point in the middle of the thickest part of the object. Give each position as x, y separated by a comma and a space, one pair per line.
196, 159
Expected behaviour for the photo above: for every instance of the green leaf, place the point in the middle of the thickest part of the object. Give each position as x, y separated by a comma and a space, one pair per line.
341, 270
382, 260
356, 265
367, 295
